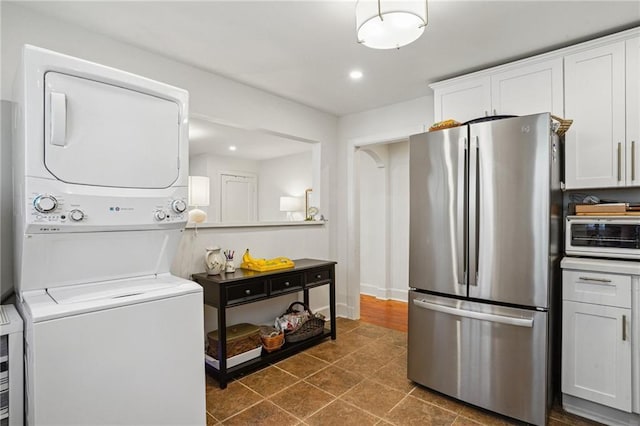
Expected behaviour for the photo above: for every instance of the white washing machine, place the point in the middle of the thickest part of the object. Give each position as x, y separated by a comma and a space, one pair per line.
100, 181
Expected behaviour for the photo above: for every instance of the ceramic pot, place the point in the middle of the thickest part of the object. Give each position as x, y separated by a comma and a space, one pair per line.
214, 261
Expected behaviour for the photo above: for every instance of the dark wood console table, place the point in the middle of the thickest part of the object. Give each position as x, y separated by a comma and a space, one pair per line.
244, 286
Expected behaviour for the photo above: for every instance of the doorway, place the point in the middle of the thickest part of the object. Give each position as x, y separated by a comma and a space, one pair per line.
383, 194
238, 197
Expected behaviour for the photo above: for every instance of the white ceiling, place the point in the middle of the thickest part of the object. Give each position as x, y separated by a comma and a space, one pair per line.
304, 50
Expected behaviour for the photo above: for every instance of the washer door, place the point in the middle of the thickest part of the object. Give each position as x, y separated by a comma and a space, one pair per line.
104, 135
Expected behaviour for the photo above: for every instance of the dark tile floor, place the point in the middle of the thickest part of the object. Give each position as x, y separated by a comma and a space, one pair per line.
358, 379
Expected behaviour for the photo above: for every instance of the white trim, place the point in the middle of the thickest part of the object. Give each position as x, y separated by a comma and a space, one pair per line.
597, 412
253, 224
612, 38
396, 294
353, 209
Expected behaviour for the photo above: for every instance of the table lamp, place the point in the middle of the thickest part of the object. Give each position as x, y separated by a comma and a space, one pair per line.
198, 197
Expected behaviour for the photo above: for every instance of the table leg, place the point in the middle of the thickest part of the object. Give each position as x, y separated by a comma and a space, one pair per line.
222, 347
332, 307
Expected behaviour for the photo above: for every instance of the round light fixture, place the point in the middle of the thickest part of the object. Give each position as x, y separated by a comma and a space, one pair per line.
355, 74
232, 148
390, 24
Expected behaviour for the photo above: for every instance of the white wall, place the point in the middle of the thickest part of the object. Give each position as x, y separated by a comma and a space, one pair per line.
6, 206
384, 221
210, 95
373, 221
282, 176
388, 124
398, 208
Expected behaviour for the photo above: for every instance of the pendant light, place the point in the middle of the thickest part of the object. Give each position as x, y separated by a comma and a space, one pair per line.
390, 24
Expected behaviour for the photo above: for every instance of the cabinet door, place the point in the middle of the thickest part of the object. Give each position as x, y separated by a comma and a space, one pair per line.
529, 89
633, 111
463, 101
595, 101
596, 353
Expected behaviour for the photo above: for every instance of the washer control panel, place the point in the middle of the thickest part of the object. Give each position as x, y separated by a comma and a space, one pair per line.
64, 212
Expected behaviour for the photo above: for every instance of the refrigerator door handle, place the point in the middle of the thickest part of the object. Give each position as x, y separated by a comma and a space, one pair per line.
474, 214
519, 322
461, 229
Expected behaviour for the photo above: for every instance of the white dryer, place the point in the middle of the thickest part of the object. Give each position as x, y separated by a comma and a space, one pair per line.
100, 186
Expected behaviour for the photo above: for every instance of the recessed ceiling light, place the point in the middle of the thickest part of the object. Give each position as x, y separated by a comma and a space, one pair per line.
355, 74
232, 148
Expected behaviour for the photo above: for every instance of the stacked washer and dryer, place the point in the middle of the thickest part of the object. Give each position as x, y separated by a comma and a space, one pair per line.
100, 182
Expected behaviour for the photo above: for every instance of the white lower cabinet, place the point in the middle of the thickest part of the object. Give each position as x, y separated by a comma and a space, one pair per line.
596, 353
600, 336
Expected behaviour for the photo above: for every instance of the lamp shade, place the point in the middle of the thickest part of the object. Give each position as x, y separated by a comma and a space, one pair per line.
390, 24
291, 204
198, 191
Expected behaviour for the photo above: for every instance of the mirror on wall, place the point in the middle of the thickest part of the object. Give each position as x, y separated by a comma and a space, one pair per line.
255, 175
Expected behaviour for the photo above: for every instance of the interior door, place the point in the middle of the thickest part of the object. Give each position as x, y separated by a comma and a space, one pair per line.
104, 135
437, 178
238, 198
510, 210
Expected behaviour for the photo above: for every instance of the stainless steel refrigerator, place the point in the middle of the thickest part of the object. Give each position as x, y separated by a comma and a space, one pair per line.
486, 213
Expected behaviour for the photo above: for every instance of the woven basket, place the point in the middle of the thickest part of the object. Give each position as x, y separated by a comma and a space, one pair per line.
310, 328
272, 339
240, 338
563, 125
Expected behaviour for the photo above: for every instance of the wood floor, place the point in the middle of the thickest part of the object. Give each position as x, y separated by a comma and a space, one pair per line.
385, 313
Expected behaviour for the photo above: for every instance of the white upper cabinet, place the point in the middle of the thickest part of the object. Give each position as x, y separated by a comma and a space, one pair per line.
528, 89
633, 110
595, 101
520, 89
463, 101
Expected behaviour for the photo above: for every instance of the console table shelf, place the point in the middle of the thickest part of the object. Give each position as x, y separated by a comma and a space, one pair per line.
244, 286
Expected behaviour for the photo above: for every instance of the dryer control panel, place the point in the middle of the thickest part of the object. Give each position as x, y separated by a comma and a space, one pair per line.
49, 212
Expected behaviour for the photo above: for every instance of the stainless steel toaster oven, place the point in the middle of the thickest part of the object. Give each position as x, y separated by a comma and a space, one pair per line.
603, 236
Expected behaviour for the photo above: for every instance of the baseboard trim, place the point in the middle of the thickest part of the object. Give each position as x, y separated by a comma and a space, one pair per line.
400, 295
598, 412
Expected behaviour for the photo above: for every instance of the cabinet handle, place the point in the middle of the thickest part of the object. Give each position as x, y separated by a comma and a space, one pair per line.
619, 161
318, 276
247, 291
286, 284
486, 113
494, 112
600, 280
624, 328
633, 160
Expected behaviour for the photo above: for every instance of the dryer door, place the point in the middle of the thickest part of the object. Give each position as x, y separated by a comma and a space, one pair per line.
104, 135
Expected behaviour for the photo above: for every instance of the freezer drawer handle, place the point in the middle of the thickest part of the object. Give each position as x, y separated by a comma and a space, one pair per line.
520, 322
58, 119
624, 328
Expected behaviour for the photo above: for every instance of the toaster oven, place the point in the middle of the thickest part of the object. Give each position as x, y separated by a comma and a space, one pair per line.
603, 236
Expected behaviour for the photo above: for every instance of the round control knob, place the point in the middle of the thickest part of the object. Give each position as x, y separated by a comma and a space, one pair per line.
45, 203
179, 206
76, 215
160, 215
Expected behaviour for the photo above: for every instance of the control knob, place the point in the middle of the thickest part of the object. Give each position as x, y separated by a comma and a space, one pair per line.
179, 206
76, 215
160, 215
45, 203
